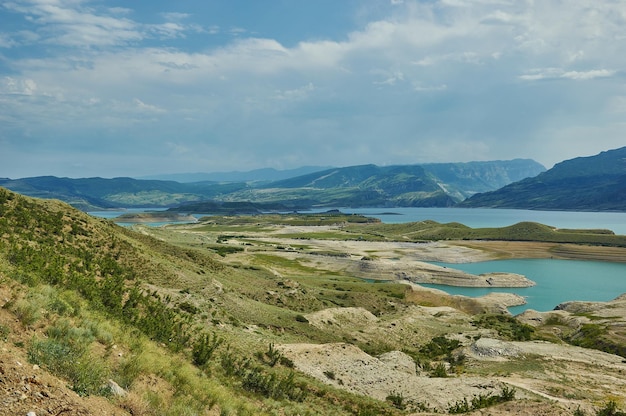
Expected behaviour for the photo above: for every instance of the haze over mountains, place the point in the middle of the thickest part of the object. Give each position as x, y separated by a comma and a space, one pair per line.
595, 183
586, 183
366, 185
256, 175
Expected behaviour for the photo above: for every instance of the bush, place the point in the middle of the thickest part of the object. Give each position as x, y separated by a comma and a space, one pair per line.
439, 371
204, 348
66, 353
482, 400
507, 327
610, 409
397, 400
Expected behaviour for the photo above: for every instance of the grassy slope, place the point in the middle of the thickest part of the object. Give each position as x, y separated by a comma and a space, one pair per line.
87, 288
75, 278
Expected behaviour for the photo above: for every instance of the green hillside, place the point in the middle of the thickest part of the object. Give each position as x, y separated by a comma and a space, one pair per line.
83, 288
595, 183
194, 319
433, 185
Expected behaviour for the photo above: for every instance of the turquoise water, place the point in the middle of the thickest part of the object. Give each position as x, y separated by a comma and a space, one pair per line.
492, 217
556, 281
474, 217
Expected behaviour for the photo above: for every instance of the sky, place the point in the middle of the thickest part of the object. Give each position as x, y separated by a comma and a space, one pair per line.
118, 88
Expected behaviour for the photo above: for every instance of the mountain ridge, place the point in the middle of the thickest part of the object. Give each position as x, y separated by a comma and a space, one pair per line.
363, 185
591, 183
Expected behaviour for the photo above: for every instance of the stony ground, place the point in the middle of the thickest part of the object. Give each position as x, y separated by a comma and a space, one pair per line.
26, 389
549, 378
561, 377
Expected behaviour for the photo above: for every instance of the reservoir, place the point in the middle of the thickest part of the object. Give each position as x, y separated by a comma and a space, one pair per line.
493, 217
556, 281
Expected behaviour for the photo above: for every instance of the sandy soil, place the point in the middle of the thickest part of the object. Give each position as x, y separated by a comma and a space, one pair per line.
397, 261
563, 377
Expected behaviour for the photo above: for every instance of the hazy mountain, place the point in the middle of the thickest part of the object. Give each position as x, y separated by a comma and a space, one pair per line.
97, 193
257, 175
473, 177
427, 185
593, 183
431, 185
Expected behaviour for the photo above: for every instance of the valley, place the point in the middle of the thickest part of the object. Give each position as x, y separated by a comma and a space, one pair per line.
290, 314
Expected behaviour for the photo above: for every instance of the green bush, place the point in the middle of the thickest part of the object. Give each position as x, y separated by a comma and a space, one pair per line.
438, 347
507, 327
439, 371
4, 332
66, 352
204, 348
610, 409
482, 401
397, 400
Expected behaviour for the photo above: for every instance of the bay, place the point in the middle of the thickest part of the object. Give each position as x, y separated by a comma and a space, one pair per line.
472, 217
494, 217
557, 281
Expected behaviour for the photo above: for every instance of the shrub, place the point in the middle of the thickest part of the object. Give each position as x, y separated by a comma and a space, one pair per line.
482, 400
610, 409
4, 332
302, 318
204, 348
507, 327
439, 371
330, 374
438, 347
66, 353
397, 400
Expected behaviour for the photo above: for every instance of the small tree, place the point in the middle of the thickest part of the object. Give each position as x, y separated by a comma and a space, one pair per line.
204, 348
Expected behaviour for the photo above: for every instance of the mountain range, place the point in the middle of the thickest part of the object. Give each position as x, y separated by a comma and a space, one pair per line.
594, 183
256, 175
435, 185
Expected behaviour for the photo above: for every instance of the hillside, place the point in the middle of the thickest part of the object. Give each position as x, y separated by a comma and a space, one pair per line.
594, 183
428, 185
256, 175
265, 315
90, 194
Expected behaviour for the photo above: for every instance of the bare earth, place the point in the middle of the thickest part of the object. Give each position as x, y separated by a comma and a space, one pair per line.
561, 377
549, 378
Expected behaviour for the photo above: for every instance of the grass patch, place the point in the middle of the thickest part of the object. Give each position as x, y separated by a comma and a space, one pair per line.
506, 326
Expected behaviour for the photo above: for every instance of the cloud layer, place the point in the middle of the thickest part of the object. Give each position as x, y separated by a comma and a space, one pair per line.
88, 90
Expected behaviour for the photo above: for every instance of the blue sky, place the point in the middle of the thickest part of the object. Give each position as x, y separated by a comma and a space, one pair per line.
112, 88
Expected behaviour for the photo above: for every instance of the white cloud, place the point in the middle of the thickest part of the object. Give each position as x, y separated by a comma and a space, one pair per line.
449, 69
417, 86
12, 86
296, 94
557, 73
174, 16
6, 41
147, 107
586, 75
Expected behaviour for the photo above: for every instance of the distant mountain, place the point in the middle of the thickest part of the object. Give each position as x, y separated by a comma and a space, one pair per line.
257, 175
431, 185
466, 179
594, 183
99, 193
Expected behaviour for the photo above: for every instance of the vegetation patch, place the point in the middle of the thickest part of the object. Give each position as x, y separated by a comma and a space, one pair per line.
482, 401
506, 326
